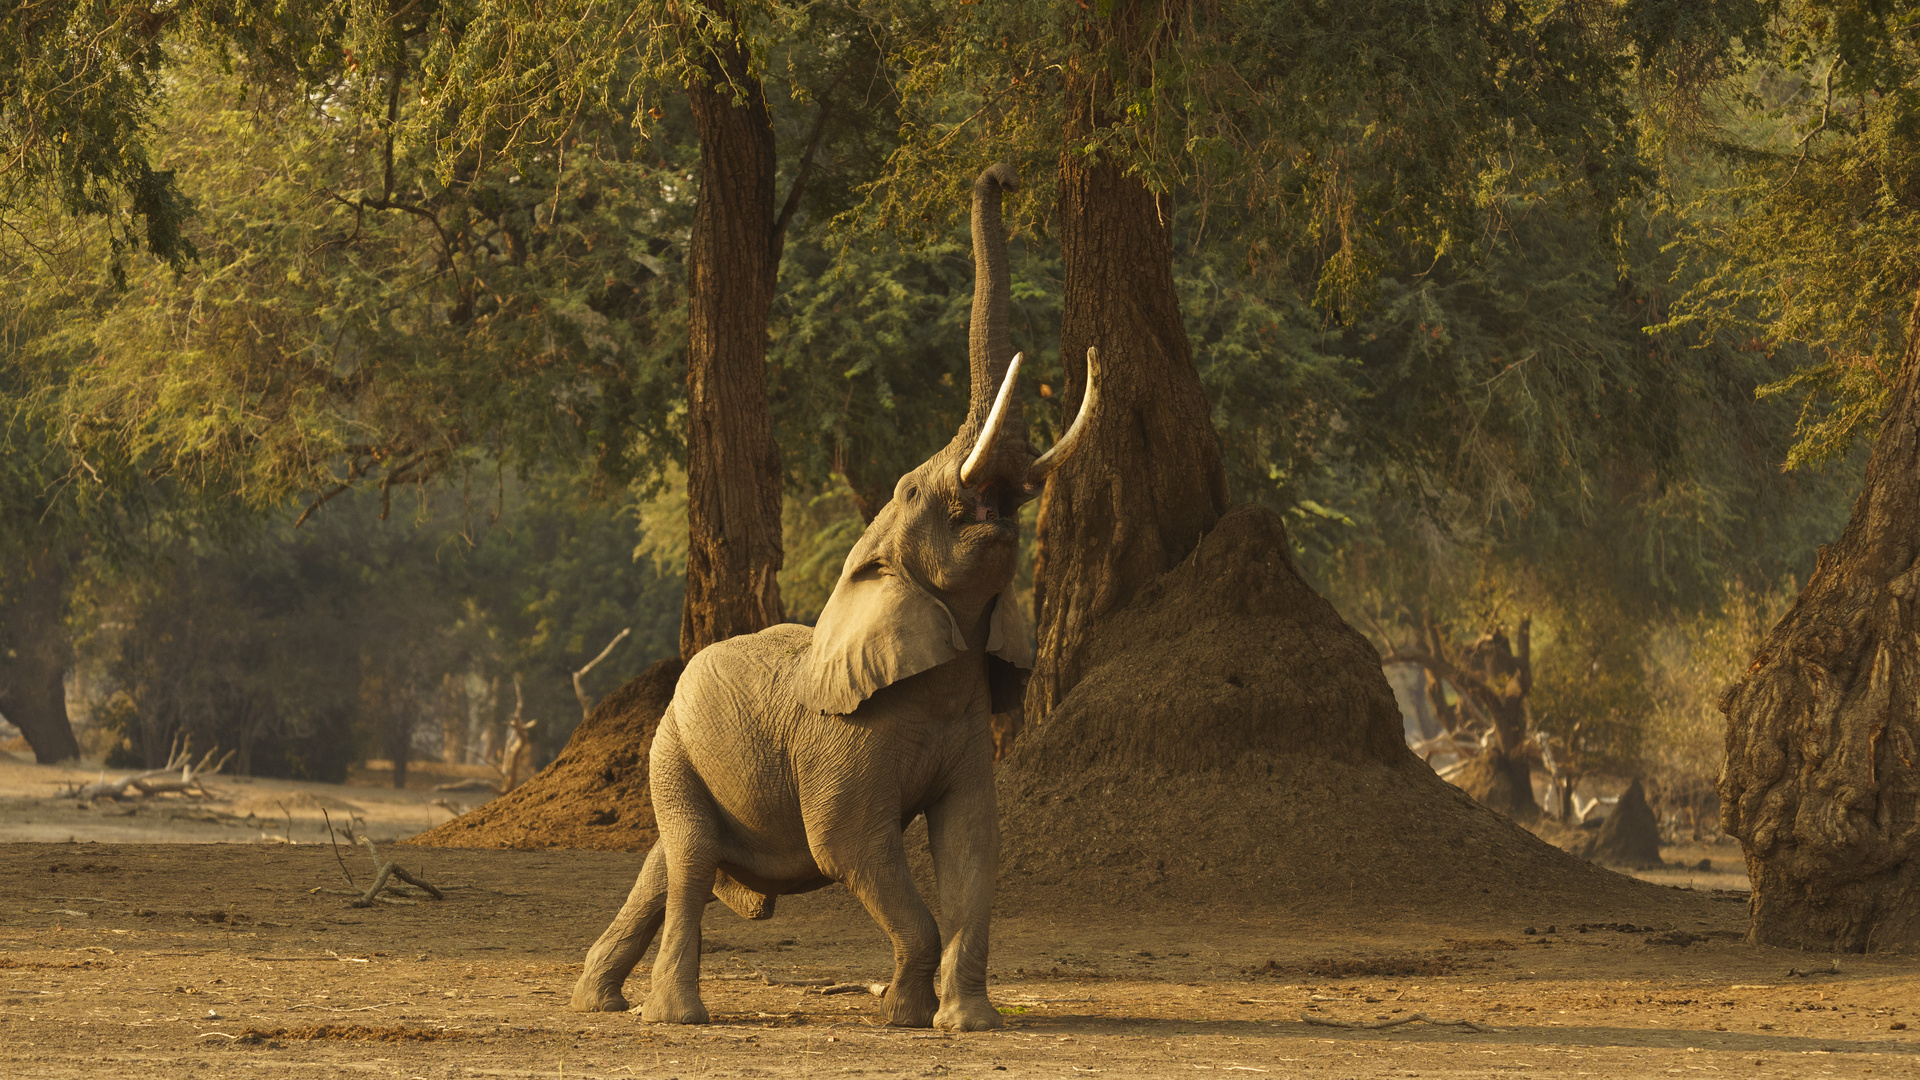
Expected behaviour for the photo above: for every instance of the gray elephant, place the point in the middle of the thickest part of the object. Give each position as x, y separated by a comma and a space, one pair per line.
796, 757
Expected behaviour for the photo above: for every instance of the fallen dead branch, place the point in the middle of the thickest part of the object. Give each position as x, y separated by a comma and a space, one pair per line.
161, 781
1423, 1018
471, 783
386, 870
823, 986
1832, 968
876, 989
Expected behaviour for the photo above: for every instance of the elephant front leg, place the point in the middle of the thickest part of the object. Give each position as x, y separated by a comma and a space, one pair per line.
612, 958
964, 831
884, 884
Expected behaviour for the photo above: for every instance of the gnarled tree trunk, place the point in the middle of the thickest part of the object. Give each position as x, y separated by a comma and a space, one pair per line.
1205, 716
733, 467
1147, 483
1822, 780
33, 661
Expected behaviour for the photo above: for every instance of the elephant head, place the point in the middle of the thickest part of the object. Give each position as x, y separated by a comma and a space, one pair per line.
927, 580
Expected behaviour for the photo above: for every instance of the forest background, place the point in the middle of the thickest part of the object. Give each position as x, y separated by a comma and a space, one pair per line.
323, 431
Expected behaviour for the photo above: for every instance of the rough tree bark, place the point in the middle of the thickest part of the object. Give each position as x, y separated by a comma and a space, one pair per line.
1148, 482
1822, 780
734, 550
33, 661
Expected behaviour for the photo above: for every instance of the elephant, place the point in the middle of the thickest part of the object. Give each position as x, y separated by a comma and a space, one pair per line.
795, 757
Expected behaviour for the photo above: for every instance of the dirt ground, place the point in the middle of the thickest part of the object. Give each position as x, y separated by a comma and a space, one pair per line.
245, 809
219, 959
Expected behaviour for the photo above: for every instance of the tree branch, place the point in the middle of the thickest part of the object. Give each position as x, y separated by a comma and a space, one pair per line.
792, 204
318, 503
1469, 684
586, 705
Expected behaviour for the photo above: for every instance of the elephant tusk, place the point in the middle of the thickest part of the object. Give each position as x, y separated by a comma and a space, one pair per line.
1062, 450
974, 469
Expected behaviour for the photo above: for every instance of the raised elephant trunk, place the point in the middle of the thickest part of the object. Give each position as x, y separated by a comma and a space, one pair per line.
989, 346
995, 434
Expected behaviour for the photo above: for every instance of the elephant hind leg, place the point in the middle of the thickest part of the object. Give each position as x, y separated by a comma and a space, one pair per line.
625, 941
745, 902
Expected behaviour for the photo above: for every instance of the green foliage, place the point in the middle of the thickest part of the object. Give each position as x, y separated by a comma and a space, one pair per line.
1525, 442
307, 649
78, 82
1689, 664
1810, 245
868, 357
350, 318
441, 248
1319, 140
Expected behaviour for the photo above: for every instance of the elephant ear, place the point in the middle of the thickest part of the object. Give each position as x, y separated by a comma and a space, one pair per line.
1007, 635
1009, 654
878, 627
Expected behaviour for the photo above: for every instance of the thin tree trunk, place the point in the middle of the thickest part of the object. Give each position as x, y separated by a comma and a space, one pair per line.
1822, 780
733, 467
453, 719
33, 662
399, 741
1147, 483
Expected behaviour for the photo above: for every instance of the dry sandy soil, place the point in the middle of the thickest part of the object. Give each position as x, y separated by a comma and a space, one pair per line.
244, 809
216, 960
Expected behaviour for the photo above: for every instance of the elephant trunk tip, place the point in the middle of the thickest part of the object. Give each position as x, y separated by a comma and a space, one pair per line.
994, 179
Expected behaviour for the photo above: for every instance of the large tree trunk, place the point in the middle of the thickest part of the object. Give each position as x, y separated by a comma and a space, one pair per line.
33, 661
733, 468
1822, 780
1210, 723
1147, 483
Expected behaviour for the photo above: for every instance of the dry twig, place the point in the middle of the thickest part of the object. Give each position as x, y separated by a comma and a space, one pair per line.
384, 871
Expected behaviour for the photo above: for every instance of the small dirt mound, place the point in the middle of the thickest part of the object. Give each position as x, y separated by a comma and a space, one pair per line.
595, 795
1631, 834
1233, 740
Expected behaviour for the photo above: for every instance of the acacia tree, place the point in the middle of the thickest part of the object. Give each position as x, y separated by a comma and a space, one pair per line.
1328, 141
1816, 241
1153, 484
517, 82
504, 139
733, 467
33, 669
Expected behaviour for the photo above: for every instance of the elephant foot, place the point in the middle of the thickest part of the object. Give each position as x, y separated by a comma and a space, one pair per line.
590, 1000
912, 1005
590, 996
969, 1014
667, 1005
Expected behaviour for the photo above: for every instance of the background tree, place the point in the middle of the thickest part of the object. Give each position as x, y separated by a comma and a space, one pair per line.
720, 58
1814, 241
1163, 103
